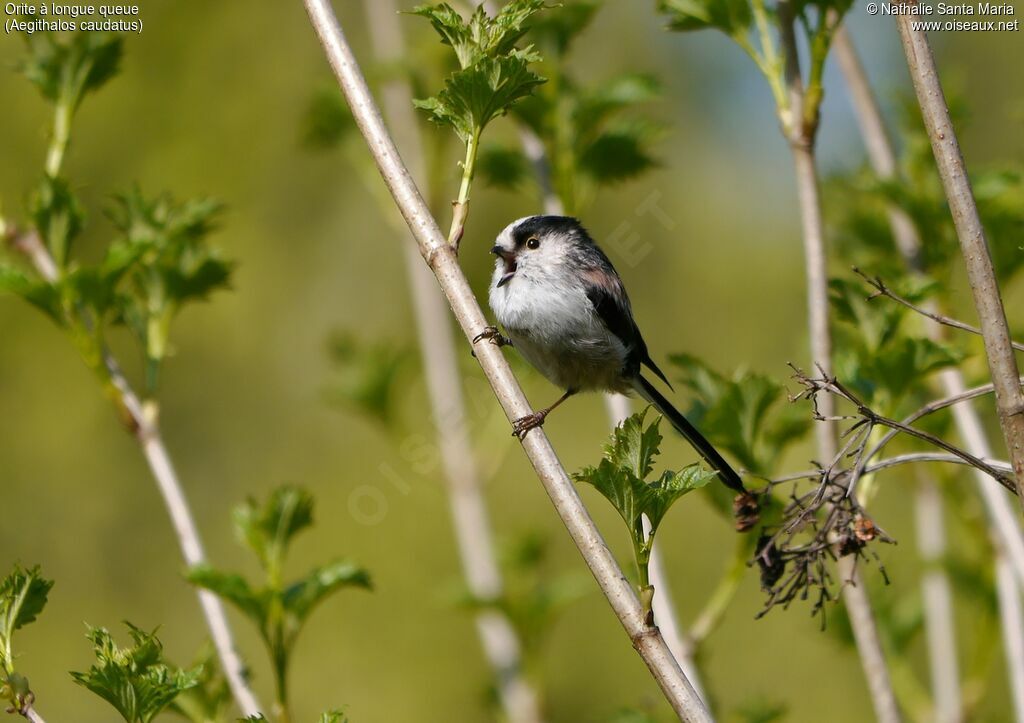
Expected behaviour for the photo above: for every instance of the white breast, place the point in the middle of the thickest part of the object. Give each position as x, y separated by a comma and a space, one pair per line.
554, 326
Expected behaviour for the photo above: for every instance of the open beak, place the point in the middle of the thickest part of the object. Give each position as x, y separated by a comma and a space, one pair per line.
510, 264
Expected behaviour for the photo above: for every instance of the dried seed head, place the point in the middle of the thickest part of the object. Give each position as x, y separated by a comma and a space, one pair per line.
746, 511
864, 528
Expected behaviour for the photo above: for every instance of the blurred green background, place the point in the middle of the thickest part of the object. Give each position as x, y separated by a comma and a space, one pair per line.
211, 101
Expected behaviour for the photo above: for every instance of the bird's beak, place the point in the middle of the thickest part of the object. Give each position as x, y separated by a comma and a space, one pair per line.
510, 263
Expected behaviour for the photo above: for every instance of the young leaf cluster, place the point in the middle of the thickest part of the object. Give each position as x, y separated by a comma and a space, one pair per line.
65, 68
747, 414
493, 74
23, 595
593, 135
136, 680
875, 355
209, 700
159, 259
621, 477
860, 202
278, 609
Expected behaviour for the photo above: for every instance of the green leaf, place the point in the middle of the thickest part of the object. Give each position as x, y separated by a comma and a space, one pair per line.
493, 75
732, 17
618, 155
476, 95
634, 447
210, 699
333, 716
23, 595
57, 216
327, 121
268, 529
233, 588
302, 597
482, 36
368, 376
619, 486
560, 25
41, 294
67, 67
135, 681
628, 459
161, 262
761, 710
503, 167
667, 490
747, 415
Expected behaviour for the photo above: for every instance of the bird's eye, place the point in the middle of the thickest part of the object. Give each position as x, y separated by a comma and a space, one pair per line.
533, 242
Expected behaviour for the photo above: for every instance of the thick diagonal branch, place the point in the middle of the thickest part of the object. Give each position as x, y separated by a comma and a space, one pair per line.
908, 241
441, 258
498, 637
980, 273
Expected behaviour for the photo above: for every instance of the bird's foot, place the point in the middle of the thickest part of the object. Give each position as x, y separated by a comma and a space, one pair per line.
491, 334
531, 421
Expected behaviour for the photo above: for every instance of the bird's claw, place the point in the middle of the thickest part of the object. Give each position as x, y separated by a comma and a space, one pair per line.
491, 334
524, 424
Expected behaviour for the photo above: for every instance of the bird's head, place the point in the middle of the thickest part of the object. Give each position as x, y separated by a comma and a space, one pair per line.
537, 246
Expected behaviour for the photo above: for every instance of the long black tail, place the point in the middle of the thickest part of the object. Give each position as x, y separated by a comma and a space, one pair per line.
706, 450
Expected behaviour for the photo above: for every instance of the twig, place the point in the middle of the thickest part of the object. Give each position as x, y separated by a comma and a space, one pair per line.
871, 654
908, 242
145, 427
801, 143
937, 598
882, 289
916, 457
872, 418
470, 520
980, 273
31, 714
441, 258
801, 137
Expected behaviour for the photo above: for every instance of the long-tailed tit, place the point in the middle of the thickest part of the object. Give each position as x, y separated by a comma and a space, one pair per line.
566, 311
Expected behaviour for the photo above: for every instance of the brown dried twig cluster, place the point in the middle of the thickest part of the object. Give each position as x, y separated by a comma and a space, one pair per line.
825, 522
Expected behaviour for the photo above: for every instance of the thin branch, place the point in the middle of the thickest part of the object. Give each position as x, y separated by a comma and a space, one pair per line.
801, 136
872, 418
908, 242
498, 637
930, 408
937, 599
144, 426
916, 457
31, 714
441, 258
872, 657
882, 289
980, 273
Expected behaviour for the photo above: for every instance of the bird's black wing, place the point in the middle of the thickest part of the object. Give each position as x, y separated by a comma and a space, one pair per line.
605, 290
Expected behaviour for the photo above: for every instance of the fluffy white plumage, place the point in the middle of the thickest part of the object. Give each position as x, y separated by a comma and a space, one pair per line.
545, 310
